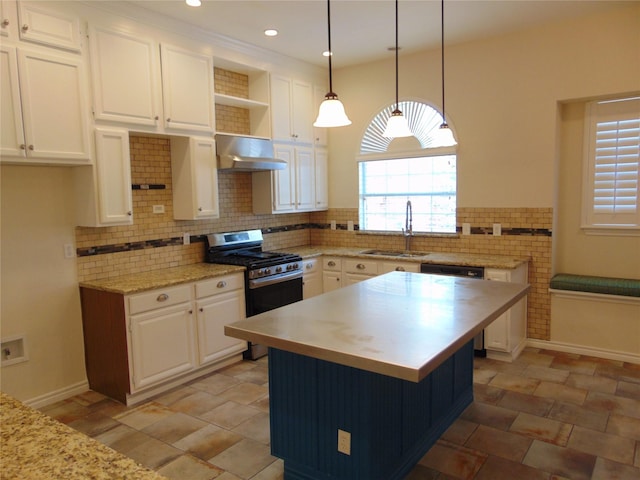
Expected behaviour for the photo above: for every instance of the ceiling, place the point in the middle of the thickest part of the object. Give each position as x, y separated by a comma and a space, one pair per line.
363, 30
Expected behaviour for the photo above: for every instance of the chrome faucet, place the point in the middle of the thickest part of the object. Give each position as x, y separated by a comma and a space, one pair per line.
407, 231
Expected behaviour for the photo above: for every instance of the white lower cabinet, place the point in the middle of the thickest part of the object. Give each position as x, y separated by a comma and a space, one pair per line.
311, 279
331, 273
162, 345
219, 302
356, 270
505, 337
141, 344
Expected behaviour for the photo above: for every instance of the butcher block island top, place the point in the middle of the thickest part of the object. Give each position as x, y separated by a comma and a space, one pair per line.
399, 324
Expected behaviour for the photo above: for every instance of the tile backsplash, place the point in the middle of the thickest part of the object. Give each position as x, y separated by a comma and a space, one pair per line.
154, 241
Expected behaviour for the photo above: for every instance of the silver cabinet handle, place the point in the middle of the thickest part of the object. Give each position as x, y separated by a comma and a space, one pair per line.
360, 266
400, 269
331, 263
309, 266
163, 297
221, 284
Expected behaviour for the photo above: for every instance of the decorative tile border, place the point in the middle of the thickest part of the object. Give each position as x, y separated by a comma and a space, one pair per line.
164, 242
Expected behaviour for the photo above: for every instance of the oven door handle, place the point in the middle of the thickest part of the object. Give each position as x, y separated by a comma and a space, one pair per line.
263, 282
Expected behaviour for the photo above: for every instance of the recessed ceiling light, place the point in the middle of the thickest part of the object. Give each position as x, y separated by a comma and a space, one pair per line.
326, 53
271, 32
194, 3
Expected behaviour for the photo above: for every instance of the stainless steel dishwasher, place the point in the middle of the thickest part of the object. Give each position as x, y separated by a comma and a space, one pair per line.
460, 271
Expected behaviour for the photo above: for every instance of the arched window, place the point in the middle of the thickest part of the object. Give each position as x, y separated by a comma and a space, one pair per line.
395, 171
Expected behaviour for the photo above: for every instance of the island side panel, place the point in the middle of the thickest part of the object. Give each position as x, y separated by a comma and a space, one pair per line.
392, 422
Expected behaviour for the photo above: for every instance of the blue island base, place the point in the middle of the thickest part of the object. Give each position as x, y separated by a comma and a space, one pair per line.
392, 422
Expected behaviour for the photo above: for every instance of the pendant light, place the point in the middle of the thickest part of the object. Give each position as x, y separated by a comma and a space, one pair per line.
397, 125
331, 112
443, 136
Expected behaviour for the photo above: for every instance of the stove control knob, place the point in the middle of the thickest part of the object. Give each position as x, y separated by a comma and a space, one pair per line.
278, 269
267, 271
260, 272
295, 266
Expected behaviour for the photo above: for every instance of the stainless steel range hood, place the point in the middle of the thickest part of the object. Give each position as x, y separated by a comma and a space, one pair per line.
246, 154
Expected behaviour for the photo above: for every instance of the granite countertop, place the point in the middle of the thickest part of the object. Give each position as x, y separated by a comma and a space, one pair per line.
463, 259
399, 324
35, 446
139, 282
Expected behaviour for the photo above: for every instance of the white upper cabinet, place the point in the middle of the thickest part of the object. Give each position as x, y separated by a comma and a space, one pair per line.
187, 90
291, 110
320, 134
48, 26
160, 88
103, 193
46, 93
321, 178
125, 75
6, 23
195, 178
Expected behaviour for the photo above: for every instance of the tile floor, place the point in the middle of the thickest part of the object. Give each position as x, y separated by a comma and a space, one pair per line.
548, 415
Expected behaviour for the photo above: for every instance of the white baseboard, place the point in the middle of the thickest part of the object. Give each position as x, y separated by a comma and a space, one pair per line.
584, 350
57, 395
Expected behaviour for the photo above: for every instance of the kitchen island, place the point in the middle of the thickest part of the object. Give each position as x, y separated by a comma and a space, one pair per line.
363, 380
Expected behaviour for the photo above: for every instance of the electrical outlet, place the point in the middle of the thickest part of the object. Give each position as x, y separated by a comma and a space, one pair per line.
344, 442
497, 229
350, 225
333, 224
158, 209
466, 229
186, 239
69, 251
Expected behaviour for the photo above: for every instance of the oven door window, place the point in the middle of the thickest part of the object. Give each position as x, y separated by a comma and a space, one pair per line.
269, 297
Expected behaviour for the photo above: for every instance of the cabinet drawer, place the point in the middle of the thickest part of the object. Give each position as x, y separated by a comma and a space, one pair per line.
365, 267
332, 264
310, 265
162, 297
217, 285
387, 267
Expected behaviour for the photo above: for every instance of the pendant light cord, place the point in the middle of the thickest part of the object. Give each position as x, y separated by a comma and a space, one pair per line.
442, 54
330, 51
397, 107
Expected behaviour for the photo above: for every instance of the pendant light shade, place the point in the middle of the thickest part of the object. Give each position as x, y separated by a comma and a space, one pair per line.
397, 125
331, 112
444, 136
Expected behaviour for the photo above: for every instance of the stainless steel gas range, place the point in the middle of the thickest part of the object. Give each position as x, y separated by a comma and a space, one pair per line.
272, 279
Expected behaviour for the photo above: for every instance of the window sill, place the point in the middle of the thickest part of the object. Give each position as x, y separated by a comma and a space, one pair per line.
612, 231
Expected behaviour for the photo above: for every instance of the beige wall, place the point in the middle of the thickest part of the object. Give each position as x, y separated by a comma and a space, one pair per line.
501, 100
39, 286
574, 251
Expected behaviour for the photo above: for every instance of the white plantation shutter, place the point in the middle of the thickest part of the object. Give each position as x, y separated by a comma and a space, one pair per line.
613, 153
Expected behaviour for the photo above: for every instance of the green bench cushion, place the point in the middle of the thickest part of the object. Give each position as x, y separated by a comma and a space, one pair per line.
584, 283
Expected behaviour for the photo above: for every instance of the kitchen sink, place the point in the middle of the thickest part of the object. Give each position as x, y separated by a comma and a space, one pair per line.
390, 253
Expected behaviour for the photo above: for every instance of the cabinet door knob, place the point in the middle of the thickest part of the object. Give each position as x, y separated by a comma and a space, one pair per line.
163, 297
168, 120
399, 269
5, 23
309, 266
23, 146
156, 117
201, 309
25, 27
31, 147
221, 284
130, 213
360, 266
199, 209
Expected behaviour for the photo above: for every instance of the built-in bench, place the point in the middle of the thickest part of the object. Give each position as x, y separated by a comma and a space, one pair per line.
627, 287
594, 314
